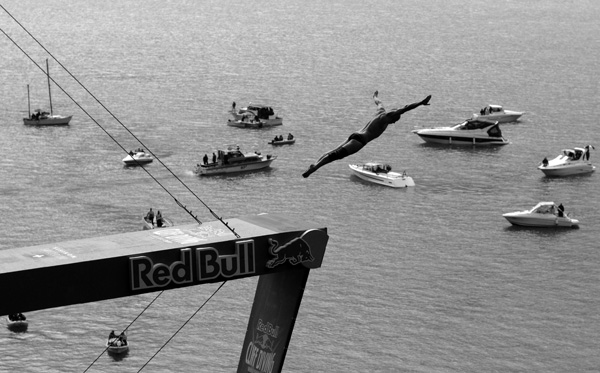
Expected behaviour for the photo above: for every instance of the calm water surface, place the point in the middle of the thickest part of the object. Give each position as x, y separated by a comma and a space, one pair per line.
426, 279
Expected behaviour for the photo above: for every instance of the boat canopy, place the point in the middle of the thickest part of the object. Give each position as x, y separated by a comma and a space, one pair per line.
262, 111
377, 167
473, 124
544, 208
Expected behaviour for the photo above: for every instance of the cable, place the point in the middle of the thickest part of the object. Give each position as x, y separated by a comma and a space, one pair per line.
184, 324
124, 330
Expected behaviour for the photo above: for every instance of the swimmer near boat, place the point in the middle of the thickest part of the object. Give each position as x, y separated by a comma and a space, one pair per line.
372, 130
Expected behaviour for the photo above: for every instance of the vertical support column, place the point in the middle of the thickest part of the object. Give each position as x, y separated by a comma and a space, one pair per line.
276, 305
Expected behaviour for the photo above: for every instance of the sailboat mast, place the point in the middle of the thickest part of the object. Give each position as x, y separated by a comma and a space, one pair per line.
49, 92
28, 102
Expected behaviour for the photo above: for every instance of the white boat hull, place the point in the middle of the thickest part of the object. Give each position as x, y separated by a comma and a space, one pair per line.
263, 123
455, 139
391, 179
526, 219
216, 169
55, 120
136, 159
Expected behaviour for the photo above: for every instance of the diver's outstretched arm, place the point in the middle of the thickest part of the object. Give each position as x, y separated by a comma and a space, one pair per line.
349, 147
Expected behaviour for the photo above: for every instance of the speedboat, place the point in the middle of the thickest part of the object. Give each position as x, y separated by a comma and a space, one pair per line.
381, 173
544, 214
138, 157
570, 162
253, 114
233, 160
496, 113
469, 132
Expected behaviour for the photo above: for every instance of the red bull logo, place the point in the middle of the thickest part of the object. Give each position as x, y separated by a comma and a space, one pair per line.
296, 251
146, 274
261, 352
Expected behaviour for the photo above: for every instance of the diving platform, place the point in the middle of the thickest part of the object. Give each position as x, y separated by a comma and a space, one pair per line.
279, 248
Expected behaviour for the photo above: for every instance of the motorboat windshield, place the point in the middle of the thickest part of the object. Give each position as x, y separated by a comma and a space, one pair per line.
545, 208
377, 167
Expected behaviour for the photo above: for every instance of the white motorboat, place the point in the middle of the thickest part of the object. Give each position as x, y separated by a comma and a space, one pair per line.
496, 113
138, 157
233, 160
544, 214
571, 162
469, 132
43, 118
381, 173
254, 116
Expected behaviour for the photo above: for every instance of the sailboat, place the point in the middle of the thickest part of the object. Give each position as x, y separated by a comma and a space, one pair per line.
43, 118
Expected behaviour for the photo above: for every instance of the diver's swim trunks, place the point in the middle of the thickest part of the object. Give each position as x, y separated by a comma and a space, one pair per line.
360, 137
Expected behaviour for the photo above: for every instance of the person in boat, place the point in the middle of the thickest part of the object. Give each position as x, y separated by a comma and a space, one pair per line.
205, 159
214, 159
123, 339
159, 219
586, 155
290, 136
372, 130
561, 210
150, 217
112, 335
545, 162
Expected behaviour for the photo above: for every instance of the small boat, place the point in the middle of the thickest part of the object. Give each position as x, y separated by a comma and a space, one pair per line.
469, 132
496, 113
43, 118
146, 224
283, 142
137, 157
253, 114
381, 173
16, 322
574, 161
233, 160
544, 214
117, 345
